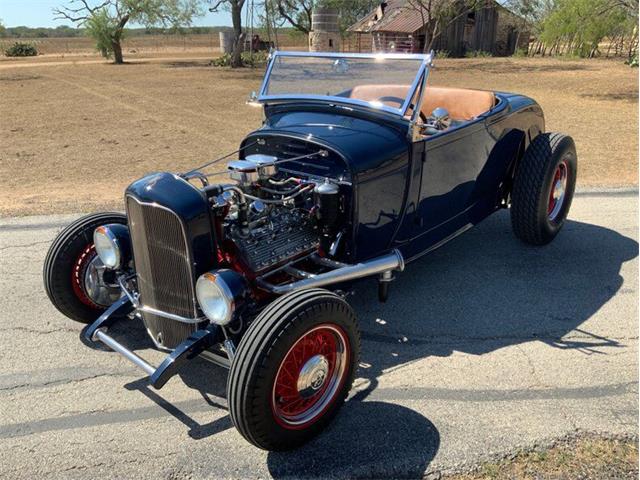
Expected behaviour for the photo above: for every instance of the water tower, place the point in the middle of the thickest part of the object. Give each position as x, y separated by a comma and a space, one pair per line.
325, 31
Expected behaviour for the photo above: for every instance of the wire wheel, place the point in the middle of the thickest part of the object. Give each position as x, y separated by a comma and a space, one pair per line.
310, 375
75, 279
89, 283
293, 369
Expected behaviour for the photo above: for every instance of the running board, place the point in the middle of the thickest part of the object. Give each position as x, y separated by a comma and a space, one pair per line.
196, 344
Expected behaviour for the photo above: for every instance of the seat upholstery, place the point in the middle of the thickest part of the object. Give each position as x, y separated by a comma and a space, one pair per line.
462, 104
370, 93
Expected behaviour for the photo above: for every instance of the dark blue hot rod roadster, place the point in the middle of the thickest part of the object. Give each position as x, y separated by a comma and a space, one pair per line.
358, 169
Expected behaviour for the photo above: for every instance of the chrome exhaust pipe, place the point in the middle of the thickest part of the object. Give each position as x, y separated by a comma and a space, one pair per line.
385, 263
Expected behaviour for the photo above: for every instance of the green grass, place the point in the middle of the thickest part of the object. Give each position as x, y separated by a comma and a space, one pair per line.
583, 457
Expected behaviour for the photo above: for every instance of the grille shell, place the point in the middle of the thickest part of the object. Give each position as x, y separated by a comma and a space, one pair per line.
165, 276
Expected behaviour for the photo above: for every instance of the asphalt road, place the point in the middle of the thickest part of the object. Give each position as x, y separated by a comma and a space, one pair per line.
485, 346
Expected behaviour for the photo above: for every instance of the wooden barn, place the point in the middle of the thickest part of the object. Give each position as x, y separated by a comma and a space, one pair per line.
399, 26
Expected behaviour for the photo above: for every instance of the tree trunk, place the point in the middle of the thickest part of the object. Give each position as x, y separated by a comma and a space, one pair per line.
116, 40
611, 42
430, 36
117, 52
238, 37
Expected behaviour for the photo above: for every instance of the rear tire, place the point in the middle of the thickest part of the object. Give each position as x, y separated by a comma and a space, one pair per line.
293, 369
543, 188
70, 253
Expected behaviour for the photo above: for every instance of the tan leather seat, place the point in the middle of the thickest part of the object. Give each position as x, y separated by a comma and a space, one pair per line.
462, 103
383, 93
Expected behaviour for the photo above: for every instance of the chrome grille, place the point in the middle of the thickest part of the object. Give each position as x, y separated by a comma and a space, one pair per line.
163, 268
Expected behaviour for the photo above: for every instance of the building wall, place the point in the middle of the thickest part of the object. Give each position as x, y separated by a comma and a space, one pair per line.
493, 30
324, 41
394, 42
325, 31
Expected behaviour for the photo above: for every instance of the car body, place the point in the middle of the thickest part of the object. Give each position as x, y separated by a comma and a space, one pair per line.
359, 168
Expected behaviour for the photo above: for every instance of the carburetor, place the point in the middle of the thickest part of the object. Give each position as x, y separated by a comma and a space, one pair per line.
252, 169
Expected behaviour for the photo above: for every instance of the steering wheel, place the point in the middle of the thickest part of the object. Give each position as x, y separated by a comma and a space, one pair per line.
400, 102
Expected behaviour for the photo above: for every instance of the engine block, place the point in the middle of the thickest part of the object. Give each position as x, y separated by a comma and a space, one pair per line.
283, 235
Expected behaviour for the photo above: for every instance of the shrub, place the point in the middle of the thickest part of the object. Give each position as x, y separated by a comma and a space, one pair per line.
477, 54
100, 27
223, 60
442, 54
633, 61
248, 60
520, 53
19, 49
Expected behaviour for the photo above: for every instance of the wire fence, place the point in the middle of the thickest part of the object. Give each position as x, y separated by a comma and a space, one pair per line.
167, 43
209, 43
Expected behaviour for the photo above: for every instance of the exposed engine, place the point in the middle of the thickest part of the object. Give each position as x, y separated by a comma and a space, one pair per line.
272, 217
278, 234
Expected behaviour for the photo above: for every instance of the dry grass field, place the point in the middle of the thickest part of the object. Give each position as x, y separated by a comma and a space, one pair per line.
73, 134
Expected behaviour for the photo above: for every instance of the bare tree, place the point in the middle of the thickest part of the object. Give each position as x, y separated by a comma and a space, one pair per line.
296, 13
238, 36
105, 20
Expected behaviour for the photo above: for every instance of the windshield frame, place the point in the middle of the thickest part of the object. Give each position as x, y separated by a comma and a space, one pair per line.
418, 82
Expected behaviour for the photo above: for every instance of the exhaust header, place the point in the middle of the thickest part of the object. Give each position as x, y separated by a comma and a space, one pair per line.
341, 273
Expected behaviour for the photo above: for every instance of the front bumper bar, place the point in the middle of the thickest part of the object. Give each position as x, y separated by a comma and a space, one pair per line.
197, 343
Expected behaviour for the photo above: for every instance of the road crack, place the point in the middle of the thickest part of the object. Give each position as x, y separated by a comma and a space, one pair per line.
62, 381
25, 245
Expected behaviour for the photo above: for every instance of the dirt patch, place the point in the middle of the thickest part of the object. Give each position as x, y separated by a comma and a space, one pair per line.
18, 78
76, 133
630, 96
189, 64
587, 456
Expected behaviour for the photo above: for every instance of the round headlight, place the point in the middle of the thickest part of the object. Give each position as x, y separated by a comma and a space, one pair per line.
112, 244
218, 293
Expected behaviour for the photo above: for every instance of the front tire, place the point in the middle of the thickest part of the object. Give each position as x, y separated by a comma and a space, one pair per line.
543, 188
293, 369
71, 262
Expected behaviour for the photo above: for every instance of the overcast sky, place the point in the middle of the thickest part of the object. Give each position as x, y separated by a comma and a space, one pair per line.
37, 13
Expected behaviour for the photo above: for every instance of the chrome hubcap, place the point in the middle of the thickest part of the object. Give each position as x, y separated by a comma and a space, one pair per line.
558, 191
95, 286
312, 375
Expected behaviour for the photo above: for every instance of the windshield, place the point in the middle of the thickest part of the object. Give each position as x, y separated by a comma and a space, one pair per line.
386, 82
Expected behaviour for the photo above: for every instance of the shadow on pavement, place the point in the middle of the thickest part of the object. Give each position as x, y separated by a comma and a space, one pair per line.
367, 439
482, 292
486, 290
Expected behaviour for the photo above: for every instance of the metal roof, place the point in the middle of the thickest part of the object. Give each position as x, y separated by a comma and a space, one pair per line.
401, 16
398, 16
